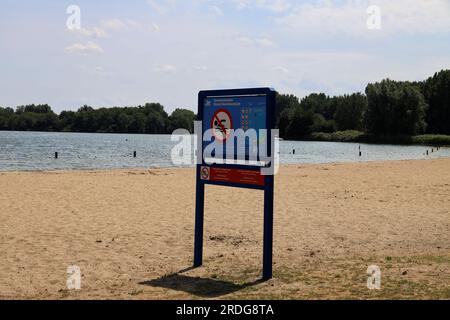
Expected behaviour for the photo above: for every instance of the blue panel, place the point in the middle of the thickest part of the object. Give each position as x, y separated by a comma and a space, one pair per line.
221, 113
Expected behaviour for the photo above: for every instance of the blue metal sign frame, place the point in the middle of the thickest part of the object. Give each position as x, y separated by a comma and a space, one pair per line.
268, 186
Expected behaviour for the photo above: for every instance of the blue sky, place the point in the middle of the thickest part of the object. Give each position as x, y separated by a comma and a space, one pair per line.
132, 52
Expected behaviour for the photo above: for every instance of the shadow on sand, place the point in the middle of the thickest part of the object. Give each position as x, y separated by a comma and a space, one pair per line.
202, 287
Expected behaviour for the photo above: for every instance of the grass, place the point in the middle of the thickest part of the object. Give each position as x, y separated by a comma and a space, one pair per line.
361, 137
403, 277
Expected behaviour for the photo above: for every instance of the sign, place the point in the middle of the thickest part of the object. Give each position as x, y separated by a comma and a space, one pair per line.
233, 113
236, 127
234, 176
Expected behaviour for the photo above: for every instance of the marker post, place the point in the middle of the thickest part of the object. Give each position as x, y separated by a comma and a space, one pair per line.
199, 220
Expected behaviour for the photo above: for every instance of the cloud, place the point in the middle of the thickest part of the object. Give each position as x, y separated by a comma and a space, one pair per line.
281, 70
94, 32
217, 11
154, 27
276, 6
350, 17
96, 70
105, 27
114, 24
261, 42
161, 6
100, 71
88, 48
165, 68
200, 68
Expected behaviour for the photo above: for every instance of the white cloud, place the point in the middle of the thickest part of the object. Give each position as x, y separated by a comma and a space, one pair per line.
281, 69
217, 11
100, 71
154, 27
276, 6
94, 32
350, 17
161, 6
200, 68
113, 24
262, 42
165, 68
88, 48
96, 70
105, 27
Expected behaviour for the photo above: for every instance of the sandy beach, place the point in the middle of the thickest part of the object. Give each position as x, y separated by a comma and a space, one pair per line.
131, 233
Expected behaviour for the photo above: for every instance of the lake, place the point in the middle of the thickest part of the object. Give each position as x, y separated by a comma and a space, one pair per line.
26, 151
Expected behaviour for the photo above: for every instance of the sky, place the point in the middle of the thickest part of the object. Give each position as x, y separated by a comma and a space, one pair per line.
127, 53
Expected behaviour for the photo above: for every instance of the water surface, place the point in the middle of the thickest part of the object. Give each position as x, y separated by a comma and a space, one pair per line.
23, 151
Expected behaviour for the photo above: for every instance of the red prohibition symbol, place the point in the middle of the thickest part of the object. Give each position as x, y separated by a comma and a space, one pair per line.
222, 124
205, 173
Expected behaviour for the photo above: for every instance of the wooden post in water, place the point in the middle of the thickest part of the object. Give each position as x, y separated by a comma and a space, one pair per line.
135, 154
56, 155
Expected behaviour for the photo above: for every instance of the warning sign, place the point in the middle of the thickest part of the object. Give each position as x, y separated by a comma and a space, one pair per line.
245, 177
205, 173
221, 125
223, 112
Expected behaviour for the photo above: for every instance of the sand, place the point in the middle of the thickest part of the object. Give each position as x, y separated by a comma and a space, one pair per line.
131, 233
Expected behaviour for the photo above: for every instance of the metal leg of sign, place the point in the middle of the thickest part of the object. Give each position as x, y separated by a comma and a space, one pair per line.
268, 229
199, 220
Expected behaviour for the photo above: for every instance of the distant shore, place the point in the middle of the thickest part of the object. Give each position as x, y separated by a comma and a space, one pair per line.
361, 137
131, 231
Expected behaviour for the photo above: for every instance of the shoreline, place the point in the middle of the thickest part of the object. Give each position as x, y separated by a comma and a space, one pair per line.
140, 169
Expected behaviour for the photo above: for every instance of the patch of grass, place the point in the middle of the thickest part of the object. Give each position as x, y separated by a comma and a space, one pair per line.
136, 292
347, 279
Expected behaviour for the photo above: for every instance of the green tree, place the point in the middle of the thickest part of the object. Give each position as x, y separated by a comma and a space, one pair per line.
285, 102
137, 124
157, 118
436, 90
350, 111
300, 123
67, 119
182, 119
123, 121
395, 108
6, 118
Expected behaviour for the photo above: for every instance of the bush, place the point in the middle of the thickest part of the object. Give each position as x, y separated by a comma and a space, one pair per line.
339, 136
361, 137
434, 140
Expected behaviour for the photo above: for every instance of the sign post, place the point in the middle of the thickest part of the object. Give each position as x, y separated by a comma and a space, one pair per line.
237, 132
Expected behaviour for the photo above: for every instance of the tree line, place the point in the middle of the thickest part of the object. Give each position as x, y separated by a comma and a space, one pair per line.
387, 108
149, 118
